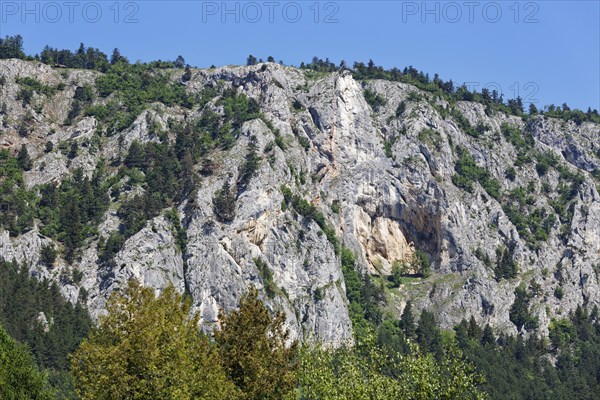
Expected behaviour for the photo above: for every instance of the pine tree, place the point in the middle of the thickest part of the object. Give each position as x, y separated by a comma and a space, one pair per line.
474, 329
19, 375
224, 203
488, 335
136, 158
179, 62
407, 321
23, 159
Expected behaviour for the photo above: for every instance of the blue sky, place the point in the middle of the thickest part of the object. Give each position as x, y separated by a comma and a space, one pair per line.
544, 51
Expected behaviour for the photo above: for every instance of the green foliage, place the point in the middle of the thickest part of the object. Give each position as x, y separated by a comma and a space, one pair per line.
22, 299
363, 295
266, 275
253, 349
466, 126
467, 172
304, 142
407, 322
149, 347
224, 203
12, 47
307, 210
165, 178
387, 147
400, 109
20, 378
510, 173
70, 212
566, 114
238, 108
17, 204
506, 266
523, 142
23, 159
83, 96
249, 167
372, 372
545, 161
482, 256
421, 264
374, 99
518, 368
519, 312
429, 335
29, 86
48, 255
178, 231
533, 224
559, 293
431, 138
335, 206
134, 88
297, 105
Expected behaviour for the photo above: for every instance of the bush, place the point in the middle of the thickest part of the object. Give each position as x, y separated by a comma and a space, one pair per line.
49, 147
267, 277
375, 100
519, 312
400, 109
430, 137
559, 293
422, 264
467, 171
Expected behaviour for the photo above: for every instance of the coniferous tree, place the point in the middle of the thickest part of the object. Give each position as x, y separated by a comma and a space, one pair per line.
407, 321
487, 337
23, 158
179, 62
224, 203
187, 75
19, 375
251, 60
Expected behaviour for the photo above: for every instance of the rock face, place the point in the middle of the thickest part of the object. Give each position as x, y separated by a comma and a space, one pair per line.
384, 180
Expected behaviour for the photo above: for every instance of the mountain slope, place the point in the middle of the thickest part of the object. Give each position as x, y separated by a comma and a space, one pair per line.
263, 175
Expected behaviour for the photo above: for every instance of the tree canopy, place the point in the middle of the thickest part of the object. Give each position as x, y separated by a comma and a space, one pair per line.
149, 347
254, 349
20, 378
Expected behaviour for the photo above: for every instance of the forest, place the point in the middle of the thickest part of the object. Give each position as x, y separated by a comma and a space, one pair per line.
136, 350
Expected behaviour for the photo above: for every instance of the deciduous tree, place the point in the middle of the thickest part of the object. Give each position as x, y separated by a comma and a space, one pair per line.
148, 347
256, 352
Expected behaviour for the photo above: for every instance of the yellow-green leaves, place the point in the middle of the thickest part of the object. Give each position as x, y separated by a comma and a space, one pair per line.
148, 347
253, 348
368, 372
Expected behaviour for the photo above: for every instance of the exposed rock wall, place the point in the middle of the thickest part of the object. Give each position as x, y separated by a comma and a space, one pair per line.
383, 208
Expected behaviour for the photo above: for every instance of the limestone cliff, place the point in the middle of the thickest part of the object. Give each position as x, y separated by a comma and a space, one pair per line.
384, 179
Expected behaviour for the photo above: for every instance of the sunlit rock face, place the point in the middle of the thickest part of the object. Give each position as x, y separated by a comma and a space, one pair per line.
382, 179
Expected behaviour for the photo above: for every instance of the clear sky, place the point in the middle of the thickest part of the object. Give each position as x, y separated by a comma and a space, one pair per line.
545, 51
